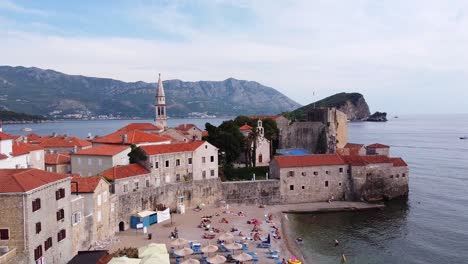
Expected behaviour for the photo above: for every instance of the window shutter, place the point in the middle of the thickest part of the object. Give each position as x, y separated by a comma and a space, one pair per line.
57, 195
62, 192
58, 215
38, 203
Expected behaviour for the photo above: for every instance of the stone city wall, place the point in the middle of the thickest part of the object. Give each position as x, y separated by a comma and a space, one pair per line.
252, 192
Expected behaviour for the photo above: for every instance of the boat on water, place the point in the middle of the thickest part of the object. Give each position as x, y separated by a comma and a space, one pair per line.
464, 137
395, 117
26, 129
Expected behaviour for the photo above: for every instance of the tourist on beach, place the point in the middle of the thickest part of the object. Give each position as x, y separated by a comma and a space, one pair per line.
284, 261
336, 243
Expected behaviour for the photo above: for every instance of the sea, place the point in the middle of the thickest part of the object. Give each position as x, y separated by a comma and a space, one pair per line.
431, 226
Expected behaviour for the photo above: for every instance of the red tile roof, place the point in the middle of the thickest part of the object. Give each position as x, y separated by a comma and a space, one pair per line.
120, 172
56, 158
20, 148
245, 128
186, 127
85, 184
23, 180
140, 126
61, 141
133, 137
309, 160
398, 162
377, 145
3, 156
32, 137
172, 148
353, 146
357, 160
204, 133
103, 150
5, 136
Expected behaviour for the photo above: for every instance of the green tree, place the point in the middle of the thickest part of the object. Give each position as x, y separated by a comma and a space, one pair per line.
227, 138
136, 154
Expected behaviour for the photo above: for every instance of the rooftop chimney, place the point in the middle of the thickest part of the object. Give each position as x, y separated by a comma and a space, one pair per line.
124, 138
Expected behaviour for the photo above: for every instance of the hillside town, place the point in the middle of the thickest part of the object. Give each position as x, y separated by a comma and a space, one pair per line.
66, 198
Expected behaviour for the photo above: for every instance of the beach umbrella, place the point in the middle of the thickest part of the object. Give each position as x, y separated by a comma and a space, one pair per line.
209, 249
184, 251
226, 236
151, 249
162, 258
218, 259
179, 242
124, 260
233, 246
191, 261
242, 257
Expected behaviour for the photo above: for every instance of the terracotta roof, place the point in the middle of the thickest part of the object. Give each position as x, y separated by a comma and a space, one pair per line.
245, 127
23, 180
20, 148
3, 156
204, 133
353, 146
56, 158
85, 184
5, 136
32, 137
398, 162
61, 141
120, 172
186, 127
172, 148
140, 126
103, 150
133, 137
377, 145
309, 160
262, 117
357, 160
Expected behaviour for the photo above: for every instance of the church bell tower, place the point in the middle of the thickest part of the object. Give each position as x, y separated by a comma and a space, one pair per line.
160, 106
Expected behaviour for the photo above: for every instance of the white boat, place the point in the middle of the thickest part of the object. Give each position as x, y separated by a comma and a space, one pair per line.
26, 129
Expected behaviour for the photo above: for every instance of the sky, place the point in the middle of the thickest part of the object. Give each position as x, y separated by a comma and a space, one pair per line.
404, 56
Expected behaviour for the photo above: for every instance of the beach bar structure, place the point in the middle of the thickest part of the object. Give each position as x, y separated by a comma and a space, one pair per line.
148, 218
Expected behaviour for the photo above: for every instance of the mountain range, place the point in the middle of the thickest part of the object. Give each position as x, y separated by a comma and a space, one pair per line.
55, 94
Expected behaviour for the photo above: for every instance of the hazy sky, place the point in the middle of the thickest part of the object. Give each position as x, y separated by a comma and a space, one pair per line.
404, 56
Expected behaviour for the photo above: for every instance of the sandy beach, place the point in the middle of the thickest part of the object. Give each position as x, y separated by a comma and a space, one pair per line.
187, 224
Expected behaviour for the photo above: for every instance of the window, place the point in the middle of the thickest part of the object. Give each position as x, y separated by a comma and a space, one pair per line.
99, 216
189, 160
326, 183
327, 172
4, 234
291, 187
49, 168
104, 196
98, 200
315, 173
204, 174
147, 183
203, 160
167, 163
348, 171
177, 162
212, 174
398, 175
125, 187
157, 165
61, 235
403, 175
60, 214
303, 187
391, 176
59, 194
36, 204
177, 177
37, 252
304, 173
48, 244
38, 227
76, 218
212, 158
136, 185
341, 169
339, 183
291, 174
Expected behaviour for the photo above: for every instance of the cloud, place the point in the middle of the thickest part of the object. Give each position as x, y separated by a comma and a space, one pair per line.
386, 49
11, 6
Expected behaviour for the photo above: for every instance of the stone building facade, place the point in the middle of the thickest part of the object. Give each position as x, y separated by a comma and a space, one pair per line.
92, 161
36, 215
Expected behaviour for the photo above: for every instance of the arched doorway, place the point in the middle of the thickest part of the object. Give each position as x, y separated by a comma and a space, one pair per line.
122, 226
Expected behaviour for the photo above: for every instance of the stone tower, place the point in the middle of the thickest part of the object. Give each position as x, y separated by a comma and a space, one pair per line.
160, 107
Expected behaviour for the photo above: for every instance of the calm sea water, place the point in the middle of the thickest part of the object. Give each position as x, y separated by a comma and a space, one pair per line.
431, 227
97, 127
